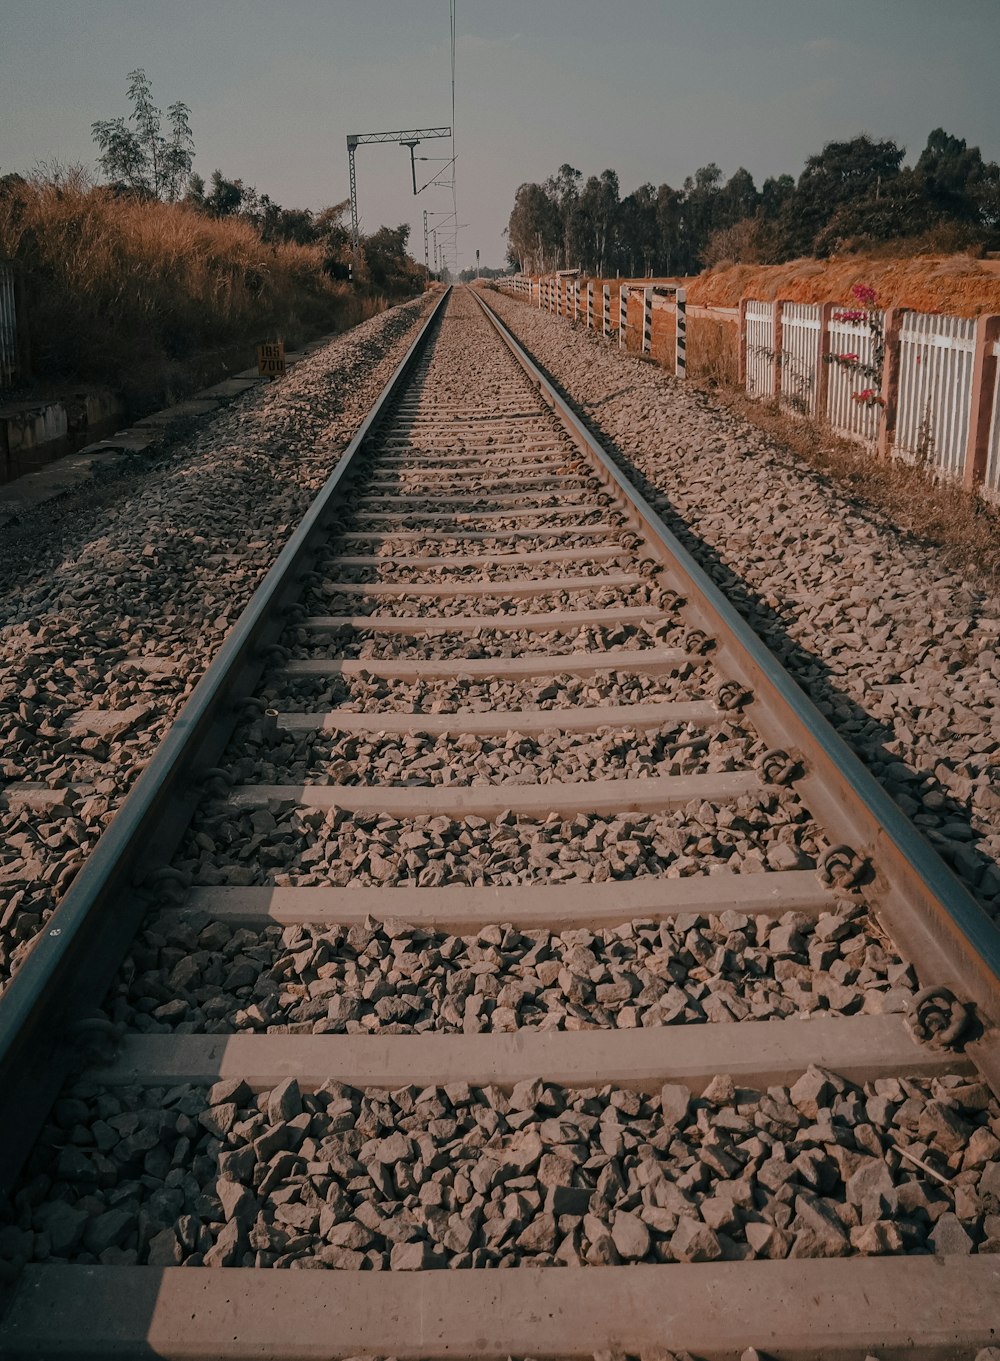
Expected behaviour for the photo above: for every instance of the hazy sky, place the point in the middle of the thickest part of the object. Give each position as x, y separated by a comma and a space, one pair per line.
652, 89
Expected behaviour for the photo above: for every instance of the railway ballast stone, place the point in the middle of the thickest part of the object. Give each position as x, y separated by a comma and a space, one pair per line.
896, 648
466, 1176
101, 644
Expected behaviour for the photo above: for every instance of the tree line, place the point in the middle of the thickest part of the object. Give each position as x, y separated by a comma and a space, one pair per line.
140, 157
850, 196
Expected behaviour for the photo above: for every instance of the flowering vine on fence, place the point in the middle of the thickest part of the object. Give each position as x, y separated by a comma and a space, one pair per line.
867, 312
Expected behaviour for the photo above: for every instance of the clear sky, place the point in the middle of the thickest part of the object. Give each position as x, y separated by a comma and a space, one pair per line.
652, 89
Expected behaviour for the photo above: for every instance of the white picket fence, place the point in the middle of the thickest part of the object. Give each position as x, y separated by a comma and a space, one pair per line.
935, 390
760, 349
800, 333
928, 382
849, 417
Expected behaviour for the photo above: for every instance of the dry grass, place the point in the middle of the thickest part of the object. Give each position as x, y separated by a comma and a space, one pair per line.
118, 288
959, 285
933, 511
713, 350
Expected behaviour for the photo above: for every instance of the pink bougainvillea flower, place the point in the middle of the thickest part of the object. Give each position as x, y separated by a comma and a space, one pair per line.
864, 293
850, 316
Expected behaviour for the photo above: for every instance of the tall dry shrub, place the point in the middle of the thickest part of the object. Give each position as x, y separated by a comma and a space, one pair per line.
119, 285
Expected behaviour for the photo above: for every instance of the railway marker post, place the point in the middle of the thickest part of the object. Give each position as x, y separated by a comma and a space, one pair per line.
680, 334
647, 321
606, 313
576, 299
271, 359
590, 304
622, 316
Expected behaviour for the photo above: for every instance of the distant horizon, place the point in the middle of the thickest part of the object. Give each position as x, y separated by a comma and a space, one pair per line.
763, 84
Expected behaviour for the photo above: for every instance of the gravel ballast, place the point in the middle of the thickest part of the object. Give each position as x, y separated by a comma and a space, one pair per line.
100, 654
204, 976
899, 650
282, 843
473, 1177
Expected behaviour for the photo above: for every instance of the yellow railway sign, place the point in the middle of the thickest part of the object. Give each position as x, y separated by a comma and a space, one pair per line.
271, 359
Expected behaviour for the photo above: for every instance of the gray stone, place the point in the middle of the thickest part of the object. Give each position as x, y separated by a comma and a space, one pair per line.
693, 1241
674, 1101
108, 1230
630, 1236
949, 1238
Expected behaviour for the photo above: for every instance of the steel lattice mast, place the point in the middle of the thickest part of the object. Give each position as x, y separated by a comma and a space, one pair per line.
410, 137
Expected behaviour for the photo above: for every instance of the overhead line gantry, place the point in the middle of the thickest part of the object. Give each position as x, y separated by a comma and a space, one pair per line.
411, 137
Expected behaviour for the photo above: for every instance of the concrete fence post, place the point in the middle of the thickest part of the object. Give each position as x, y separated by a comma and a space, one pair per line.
590, 304
984, 401
742, 360
606, 316
647, 321
778, 344
680, 333
892, 325
622, 317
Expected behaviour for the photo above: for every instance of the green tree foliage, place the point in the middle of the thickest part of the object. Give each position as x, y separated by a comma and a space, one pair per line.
388, 264
852, 194
136, 154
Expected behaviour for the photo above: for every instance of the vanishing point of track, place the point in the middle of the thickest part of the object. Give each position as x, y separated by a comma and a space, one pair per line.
499, 901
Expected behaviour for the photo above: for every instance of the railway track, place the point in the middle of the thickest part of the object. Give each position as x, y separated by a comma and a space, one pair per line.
499, 902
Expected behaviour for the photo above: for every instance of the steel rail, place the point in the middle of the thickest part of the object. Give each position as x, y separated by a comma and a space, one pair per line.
74, 960
933, 918
932, 1308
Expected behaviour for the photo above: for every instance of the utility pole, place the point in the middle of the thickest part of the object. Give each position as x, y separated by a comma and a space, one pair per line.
477, 265
427, 265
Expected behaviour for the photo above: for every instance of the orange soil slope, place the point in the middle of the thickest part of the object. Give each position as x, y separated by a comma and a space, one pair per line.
955, 284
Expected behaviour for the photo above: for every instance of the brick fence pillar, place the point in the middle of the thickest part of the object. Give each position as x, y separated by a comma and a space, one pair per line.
984, 396
778, 344
893, 324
